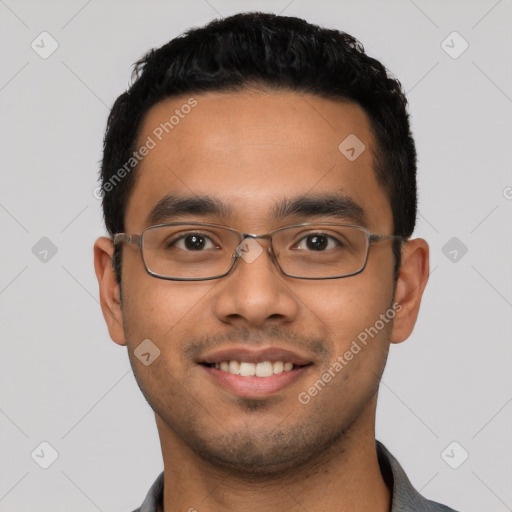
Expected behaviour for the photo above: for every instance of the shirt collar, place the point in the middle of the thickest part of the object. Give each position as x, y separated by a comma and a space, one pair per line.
404, 496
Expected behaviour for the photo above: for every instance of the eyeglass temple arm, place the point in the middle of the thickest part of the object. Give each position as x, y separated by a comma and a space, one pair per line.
380, 238
125, 237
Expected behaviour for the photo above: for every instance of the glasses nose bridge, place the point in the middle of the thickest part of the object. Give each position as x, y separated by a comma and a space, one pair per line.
266, 236
251, 236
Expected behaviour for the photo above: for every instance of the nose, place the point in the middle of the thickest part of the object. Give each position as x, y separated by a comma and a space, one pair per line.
256, 292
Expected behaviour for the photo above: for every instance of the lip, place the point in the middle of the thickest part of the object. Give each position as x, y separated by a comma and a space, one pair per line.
254, 387
255, 356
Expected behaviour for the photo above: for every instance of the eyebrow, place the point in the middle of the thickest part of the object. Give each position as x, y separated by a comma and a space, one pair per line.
334, 205
172, 207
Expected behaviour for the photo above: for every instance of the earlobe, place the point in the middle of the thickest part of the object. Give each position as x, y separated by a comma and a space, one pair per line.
410, 285
110, 299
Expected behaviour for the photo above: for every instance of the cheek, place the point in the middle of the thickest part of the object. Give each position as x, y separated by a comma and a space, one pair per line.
161, 310
345, 307
165, 313
349, 312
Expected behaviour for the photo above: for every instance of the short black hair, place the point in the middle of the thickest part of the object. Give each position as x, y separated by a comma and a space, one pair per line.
273, 52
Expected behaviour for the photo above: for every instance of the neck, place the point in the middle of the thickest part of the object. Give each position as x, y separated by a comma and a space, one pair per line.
344, 477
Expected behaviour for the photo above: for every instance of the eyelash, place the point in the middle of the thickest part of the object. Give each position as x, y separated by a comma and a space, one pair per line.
174, 242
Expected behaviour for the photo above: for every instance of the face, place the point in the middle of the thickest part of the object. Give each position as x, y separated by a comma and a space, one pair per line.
254, 153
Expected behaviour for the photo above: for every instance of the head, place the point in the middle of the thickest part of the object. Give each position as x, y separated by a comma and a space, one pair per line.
240, 120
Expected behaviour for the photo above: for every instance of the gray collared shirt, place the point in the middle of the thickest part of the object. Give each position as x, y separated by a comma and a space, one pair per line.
405, 497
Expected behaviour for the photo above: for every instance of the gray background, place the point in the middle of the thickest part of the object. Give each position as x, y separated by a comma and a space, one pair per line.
65, 382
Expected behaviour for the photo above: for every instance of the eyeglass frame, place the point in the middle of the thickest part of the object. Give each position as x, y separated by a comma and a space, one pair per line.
137, 240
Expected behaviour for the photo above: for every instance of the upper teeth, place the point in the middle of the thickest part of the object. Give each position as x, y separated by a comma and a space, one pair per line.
263, 369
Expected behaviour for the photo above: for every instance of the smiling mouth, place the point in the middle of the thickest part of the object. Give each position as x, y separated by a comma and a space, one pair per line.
249, 369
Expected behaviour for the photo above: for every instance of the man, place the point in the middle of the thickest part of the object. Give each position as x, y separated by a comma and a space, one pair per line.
259, 188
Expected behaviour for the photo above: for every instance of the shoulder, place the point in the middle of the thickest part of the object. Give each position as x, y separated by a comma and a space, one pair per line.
432, 506
405, 498
154, 498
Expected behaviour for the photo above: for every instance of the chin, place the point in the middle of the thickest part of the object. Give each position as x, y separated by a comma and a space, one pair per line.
265, 454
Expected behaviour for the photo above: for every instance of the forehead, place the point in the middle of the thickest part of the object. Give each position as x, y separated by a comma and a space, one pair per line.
252, 150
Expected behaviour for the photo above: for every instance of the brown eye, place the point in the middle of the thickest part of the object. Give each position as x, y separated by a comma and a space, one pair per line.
316, 242
195, 242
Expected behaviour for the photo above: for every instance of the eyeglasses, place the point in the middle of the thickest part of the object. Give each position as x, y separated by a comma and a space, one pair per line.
195, 251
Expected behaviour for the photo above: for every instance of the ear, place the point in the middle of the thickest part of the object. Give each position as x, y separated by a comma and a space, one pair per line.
110, 298
411, 282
